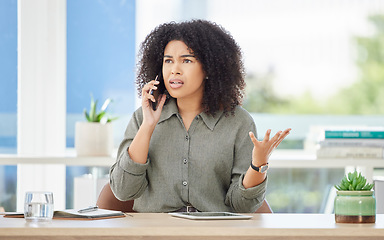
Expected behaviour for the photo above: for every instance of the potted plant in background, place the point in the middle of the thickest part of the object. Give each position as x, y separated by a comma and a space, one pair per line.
95, 136
355, 201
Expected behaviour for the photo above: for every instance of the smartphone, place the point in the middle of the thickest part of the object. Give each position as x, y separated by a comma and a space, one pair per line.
160, 90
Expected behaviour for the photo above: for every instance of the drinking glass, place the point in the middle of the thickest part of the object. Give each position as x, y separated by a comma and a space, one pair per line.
38, 206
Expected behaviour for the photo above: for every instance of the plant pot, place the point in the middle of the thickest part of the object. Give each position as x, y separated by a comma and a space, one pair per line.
93, 139
355, 207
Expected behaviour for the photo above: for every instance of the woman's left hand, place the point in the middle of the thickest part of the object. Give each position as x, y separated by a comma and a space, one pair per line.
263, 149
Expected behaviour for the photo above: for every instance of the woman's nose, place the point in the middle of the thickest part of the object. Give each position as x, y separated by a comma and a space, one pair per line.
176, 69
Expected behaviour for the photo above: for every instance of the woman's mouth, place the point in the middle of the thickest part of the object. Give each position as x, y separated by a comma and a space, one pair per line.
175, 83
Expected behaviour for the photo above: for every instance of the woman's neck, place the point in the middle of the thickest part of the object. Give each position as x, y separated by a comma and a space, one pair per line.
188, 111
188, 107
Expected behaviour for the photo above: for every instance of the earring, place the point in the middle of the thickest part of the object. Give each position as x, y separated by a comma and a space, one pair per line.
206, 78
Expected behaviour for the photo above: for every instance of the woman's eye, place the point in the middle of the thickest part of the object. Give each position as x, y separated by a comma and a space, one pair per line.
187, 61
167, 61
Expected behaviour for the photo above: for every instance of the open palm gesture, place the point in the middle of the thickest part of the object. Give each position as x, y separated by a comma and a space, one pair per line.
263, 149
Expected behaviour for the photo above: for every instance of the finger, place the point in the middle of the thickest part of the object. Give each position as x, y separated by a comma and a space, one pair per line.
266, 137
150, 85
148, 89
148, 96
276, 137
253, 138
151, 97
286, 132
282, 137
276, 144
274, 140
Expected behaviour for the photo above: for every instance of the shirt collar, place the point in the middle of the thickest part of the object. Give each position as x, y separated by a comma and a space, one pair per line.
171, 109
210, 120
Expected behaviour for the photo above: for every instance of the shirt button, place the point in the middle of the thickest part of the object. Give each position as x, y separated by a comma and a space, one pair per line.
197, 118
185, 183
186, 138
185, 161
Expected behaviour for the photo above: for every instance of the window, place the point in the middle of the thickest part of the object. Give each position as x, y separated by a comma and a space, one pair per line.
8, 76
100, 60
299, 56
302, 59
8, 100
101, 63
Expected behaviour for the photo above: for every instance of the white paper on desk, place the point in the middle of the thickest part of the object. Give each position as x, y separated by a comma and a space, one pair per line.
99, 213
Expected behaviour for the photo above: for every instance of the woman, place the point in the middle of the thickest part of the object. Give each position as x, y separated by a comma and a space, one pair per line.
193, 150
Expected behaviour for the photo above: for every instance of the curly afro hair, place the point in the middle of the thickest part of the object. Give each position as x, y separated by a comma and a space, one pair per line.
213, 46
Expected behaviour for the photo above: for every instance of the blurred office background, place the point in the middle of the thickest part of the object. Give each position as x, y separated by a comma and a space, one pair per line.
309, 63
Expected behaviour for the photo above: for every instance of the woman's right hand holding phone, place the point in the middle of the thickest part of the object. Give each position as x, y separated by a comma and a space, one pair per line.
150, 116
138, 150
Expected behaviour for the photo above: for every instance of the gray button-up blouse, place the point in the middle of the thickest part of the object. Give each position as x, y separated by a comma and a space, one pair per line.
203, 167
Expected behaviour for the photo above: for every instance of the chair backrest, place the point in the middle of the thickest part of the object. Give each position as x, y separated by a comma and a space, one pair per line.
264, 208
107, 200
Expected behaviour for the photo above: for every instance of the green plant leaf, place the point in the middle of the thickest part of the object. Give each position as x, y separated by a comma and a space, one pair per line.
363, 183
112, 119
349, 176
106, 104
354, 181
92, 111
87, 116
354, 174
95, 116
100, 116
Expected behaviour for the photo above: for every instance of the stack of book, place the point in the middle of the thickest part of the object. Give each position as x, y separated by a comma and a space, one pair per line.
352, 143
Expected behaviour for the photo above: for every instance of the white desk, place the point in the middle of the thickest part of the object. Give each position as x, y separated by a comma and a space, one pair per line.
162, 226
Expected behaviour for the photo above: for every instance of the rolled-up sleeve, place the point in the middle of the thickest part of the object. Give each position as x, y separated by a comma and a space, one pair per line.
238, 197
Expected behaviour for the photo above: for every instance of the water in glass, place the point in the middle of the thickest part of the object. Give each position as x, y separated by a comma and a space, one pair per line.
38, 206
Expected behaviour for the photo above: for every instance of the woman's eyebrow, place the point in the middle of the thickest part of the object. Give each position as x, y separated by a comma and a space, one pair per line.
188, 55
183, 56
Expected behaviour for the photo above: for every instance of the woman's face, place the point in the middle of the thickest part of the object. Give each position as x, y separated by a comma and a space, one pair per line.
183, 73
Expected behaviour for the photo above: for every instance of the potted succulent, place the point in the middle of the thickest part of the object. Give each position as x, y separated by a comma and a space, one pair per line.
355, 201
95, 136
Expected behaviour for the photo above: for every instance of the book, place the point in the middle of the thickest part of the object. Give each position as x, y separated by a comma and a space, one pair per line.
350, 152
75, 215
364, 134
351, 142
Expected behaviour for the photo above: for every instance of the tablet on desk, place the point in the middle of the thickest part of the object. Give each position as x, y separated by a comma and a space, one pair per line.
209, 215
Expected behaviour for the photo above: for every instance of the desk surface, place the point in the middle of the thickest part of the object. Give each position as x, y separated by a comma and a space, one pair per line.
164, 226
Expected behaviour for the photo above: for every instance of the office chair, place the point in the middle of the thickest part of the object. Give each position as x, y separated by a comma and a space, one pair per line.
107, 200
